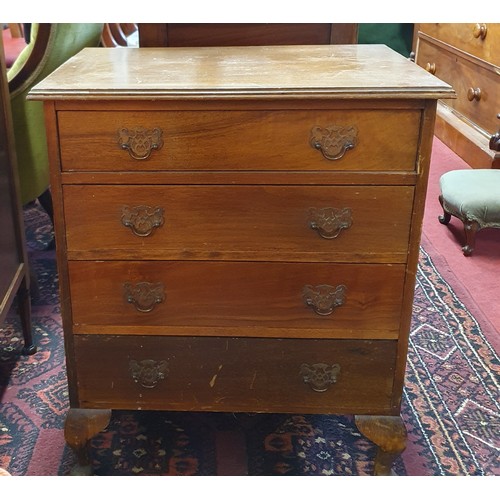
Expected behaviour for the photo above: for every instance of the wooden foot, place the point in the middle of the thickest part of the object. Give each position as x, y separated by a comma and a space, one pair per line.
389, 434
80, 427
471, 227
446, 217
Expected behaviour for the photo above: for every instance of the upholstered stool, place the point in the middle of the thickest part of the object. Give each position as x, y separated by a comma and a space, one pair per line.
473, 196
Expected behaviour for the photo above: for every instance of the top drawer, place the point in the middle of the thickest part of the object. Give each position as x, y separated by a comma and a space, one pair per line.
480, 39
297, 140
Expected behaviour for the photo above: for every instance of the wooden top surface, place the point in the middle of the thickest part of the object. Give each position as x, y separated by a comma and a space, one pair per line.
351, 71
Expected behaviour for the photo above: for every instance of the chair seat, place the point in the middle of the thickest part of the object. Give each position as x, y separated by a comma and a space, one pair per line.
472, 195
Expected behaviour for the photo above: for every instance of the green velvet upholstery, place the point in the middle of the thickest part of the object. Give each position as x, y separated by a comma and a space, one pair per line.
66, 39
473, 196
398, 36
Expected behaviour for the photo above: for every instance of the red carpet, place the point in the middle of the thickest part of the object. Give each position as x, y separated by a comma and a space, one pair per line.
474, 279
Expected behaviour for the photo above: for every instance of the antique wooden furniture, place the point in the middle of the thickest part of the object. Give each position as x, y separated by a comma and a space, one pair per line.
251, 229
467, 57
473, 196
14, 268
235, 34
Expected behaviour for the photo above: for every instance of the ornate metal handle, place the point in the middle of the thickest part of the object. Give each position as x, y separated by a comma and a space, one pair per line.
144, 296
148, 372
431, 68
324, 298
329, 222
140, 142
474, 94
480, 31
319, 376
334, 141
142, 219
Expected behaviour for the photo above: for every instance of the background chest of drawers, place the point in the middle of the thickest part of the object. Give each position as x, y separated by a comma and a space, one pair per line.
467, 56
238, 229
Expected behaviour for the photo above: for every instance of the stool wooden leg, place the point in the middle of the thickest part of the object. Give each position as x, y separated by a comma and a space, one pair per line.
446, 217
471, 227
389, 434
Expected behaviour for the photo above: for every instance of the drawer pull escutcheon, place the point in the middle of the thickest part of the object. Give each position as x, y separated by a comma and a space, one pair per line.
140, 142
324, 298
334, 141
148, 372
329, 221
144, 296
474, 94
319, 376
143, 219
480, 31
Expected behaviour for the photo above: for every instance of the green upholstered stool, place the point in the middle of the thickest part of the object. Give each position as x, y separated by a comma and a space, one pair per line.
473, 196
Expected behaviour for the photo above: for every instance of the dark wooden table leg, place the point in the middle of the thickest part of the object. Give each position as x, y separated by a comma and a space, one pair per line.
80, 426
24, 298
389, 434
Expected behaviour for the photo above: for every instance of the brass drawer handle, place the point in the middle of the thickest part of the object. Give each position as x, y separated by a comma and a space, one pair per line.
142, 219
480, 31
148, 372
329, 221
144, 296
319, 376
324, 298
334, 141
140, 142
431, 68
474, 94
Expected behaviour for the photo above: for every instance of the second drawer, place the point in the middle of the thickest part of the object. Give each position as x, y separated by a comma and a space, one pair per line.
298, 223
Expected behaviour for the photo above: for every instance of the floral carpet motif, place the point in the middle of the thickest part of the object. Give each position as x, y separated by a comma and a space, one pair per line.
450, 405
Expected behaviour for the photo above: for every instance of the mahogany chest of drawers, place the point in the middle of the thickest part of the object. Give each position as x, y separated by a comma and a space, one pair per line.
238, 229
466, 56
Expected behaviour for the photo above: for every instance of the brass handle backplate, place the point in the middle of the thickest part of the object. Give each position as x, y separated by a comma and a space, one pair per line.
334, 141
144, 296
142, 219
148, 372
319, 376
329, 221
474, 94
324, 298
140, 142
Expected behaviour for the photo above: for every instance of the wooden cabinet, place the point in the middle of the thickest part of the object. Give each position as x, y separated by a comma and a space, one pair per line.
14, 269
238, 229
467, 57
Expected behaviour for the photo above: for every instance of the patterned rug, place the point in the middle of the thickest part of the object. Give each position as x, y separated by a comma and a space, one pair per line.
450, 406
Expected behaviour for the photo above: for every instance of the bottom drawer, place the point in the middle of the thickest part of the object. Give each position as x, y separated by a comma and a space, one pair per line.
234, 374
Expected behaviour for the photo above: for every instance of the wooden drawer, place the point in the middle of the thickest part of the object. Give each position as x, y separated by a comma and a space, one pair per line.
228, 374
239, 140
351, 223
251, 298
465, 77
468, 37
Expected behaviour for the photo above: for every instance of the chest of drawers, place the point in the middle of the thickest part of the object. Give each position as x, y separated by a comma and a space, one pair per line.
467, 57
238, 229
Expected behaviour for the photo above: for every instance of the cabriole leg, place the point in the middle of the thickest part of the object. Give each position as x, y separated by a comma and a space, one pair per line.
389, 434
80, 427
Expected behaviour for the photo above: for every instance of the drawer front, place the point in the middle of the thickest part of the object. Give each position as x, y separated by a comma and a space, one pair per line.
478, 39
228, 374
298, 140
477, 88
271, 223
136, 296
